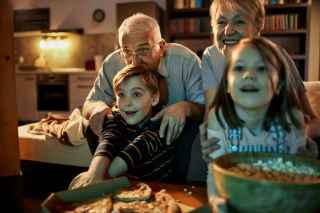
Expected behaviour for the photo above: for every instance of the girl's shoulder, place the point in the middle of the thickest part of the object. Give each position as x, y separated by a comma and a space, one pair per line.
298, 115
213, 121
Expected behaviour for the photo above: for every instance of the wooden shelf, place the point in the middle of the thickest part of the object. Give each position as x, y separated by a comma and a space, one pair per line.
303, 42
191, 35
285, 33
286, 8
192, 12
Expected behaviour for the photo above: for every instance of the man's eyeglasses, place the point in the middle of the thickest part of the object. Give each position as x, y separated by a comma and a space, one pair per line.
142, 52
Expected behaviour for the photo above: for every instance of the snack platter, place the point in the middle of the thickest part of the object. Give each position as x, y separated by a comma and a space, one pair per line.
114, 196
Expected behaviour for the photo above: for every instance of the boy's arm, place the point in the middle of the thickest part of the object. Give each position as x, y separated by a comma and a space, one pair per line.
99, 167
142, 148
112, 138
96, 173
117, 167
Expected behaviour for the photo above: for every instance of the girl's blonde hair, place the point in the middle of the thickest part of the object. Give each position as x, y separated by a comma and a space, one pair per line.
291, 95
253, 9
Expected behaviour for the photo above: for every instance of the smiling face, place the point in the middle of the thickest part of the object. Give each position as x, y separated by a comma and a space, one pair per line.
251, 82
142, 49
135, 100
229, 26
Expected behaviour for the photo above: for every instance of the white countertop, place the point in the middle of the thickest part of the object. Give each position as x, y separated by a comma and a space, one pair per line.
70, 70
46, 149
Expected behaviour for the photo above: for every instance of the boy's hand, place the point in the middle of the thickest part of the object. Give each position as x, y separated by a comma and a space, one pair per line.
207, 145
173, 121
84, 179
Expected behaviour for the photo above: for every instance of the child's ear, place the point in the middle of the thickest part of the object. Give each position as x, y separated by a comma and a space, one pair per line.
155, 99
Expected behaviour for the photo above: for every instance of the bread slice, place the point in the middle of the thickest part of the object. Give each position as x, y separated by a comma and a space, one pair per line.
166, 203
101, 205
139, 192
135, 207
162, 203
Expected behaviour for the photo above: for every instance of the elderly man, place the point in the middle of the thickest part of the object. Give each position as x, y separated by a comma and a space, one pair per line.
141, 44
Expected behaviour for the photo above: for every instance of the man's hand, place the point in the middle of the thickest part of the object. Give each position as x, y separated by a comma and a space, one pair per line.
97, 117
207, 145
173, 121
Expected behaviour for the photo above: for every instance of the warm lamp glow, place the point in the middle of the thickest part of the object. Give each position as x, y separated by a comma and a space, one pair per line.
54, 43
43, 44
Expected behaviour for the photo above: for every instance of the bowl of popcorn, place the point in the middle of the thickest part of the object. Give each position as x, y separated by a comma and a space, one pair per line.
265, 182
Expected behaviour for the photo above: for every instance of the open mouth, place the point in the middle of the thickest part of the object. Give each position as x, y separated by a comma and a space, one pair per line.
249, 88
130, 113
230, 41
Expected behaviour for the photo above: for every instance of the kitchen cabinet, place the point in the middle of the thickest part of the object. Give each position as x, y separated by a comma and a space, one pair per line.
79, 87
26, 88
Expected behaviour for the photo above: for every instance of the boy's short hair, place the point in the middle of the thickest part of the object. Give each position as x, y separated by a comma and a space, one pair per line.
149, 77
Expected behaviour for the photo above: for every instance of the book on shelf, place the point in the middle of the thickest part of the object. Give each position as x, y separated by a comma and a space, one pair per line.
190, 25
271, 2
284, 22
183, 4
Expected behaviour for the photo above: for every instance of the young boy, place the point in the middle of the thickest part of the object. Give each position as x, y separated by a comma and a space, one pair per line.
130, 142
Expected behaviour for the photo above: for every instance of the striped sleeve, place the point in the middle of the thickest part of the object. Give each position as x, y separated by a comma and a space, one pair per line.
113, 140
142, 148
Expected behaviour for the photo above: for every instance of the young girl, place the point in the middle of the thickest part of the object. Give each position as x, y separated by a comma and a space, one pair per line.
130, 142
258, 107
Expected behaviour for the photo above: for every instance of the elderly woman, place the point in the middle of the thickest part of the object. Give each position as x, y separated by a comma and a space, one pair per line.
231, 20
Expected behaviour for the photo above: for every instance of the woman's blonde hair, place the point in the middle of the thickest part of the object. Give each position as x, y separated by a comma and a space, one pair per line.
253, 9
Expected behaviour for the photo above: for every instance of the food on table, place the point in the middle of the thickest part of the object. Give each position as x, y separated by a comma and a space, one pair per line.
162, 203
136, 199
139, 192
101, 205
278, 170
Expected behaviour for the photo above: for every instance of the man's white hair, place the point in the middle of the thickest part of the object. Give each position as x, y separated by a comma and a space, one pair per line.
139, 23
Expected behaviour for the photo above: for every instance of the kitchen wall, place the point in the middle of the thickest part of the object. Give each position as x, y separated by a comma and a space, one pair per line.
98, 38
78, 13
79, 49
